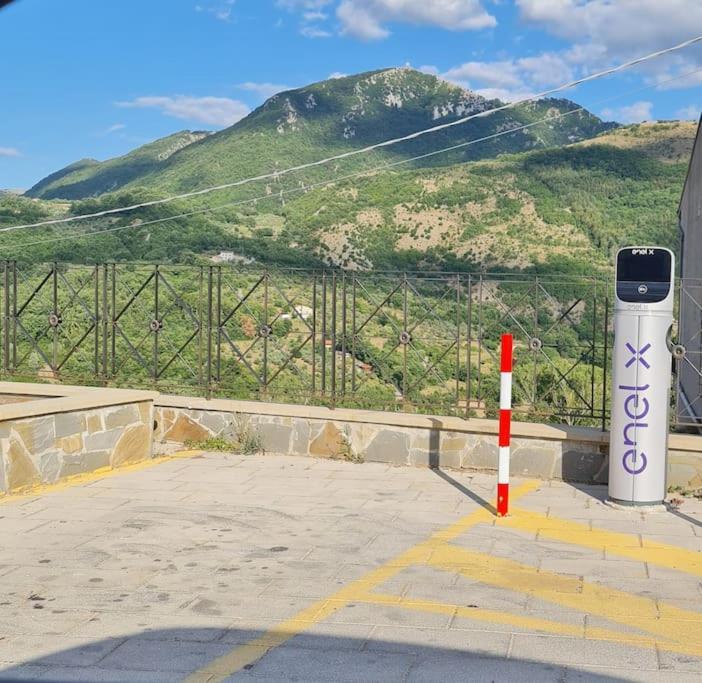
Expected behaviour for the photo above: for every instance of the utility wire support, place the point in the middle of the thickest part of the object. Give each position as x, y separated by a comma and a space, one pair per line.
356, 174
363, 150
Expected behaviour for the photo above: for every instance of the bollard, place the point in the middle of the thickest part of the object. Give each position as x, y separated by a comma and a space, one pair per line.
505, 425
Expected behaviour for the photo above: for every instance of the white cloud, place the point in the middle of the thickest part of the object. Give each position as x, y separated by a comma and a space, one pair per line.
315, 16
114, 128
365, 19
213, 111
690, 113
504, 94
632, 113
608, 31
494, 74
312, 16
263, 90
10, 152
221, 10
303, 4
315, 32
337, 74
510, 79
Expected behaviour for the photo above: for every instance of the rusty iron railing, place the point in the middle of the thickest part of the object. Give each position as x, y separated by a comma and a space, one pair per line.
386, 341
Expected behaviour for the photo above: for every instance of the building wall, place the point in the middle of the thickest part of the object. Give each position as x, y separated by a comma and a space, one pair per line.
690, 324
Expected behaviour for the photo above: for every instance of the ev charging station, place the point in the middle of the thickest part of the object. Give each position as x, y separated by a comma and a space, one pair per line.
642, 369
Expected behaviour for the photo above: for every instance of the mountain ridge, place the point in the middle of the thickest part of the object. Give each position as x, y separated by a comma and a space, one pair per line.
323, 119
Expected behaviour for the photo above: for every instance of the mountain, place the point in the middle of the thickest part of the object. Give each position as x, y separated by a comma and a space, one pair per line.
563, 209
89, 177
324, 119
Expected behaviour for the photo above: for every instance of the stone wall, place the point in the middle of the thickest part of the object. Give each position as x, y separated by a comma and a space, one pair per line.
44, 448
577, 454
356, 436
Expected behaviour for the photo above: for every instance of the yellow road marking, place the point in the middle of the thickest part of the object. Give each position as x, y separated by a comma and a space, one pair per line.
529, 623
660, 554
89, 477
250, 652
589, 598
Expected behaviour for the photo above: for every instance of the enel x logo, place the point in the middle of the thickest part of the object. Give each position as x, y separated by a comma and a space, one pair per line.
638, 355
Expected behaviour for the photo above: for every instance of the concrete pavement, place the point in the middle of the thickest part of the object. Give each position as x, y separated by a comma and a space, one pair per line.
223, 567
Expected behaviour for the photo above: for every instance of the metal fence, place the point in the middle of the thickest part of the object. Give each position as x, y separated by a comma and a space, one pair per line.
424, 343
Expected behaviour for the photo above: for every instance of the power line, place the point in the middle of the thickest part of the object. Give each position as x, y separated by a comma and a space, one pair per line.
355, 174
369, 148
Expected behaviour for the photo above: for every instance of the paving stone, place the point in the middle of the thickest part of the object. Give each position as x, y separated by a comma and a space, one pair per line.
575, 651
290, 664
163, 655
197, 557
476, 669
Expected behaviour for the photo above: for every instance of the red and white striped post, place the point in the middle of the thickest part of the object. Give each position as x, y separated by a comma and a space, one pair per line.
505, 425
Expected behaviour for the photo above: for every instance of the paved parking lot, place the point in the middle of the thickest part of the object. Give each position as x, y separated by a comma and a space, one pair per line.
218, 567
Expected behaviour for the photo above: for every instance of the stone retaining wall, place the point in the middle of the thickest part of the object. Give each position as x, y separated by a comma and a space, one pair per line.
60, 431
575, 454
43, 449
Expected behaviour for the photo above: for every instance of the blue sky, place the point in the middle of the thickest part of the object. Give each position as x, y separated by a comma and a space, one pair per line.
87, 78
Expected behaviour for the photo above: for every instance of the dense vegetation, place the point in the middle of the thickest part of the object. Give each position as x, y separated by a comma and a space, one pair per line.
556, 210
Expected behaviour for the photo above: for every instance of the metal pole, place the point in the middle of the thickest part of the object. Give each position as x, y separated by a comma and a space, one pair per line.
105, 314
219, 323
353, 335
333, 339
54, 335
324, 333
458, 342
6, 318
470, 345
314, 334
480, 339
156, 331
200, 318
113, 315
343, 335
506, 354
404, 346
265, 337
14, 315
208, 381
96, 321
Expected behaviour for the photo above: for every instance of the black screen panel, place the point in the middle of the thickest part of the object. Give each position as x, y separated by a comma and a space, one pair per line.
643, 275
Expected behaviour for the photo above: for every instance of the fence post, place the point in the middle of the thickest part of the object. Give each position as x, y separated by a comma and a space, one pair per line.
505, 425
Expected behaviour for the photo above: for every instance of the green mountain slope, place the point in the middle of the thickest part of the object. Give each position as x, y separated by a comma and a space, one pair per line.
325, 119
553, 210
88, 177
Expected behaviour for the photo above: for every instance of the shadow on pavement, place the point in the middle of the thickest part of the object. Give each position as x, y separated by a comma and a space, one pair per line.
464, 490
173, 654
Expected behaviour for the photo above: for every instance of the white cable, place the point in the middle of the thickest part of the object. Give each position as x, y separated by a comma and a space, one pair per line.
369, 148
356, 174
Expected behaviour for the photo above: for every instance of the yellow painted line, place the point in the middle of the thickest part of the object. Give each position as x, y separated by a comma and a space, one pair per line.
530, 623
90, 477
589, 598
623, 545
247, 654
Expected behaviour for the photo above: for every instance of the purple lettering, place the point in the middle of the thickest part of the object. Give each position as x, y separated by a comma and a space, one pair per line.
636, 408
630, 455
633, 398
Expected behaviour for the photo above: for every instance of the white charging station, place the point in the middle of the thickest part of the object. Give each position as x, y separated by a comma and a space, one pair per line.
642, 369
